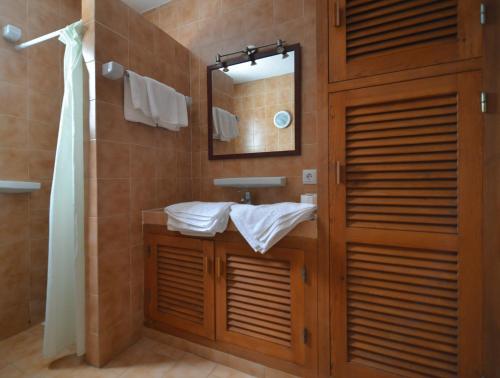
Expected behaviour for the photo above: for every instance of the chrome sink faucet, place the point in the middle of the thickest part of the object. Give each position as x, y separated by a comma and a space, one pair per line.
246, 198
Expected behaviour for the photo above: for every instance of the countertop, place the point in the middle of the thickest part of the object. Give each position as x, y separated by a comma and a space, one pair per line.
308, 229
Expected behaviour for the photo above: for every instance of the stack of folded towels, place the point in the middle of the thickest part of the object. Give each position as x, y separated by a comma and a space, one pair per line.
198, 218
263, 226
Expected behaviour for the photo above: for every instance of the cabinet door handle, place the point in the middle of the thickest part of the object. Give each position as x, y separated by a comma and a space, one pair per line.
337, 13
338, 172
205, 264
218, 267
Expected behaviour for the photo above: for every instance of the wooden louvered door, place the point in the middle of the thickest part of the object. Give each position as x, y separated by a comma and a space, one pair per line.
406, 230
260, 299
380, 36
180, 282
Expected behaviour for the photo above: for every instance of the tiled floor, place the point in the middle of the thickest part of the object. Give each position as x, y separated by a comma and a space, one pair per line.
21, 356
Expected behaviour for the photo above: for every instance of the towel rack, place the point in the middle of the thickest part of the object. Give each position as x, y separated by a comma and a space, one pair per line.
114, 71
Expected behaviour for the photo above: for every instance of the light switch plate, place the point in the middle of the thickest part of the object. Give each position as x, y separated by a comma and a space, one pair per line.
309, 176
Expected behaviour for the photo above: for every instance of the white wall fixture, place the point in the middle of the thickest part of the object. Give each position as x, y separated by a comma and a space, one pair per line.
12, 33
112, 70
309, 176
18, 186
251, 182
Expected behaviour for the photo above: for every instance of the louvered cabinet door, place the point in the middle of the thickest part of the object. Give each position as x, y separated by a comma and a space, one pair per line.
406, 230
179, 277
380, 36
260, 300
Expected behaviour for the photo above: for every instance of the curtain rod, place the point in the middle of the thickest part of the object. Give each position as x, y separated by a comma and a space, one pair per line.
38, 40
41, 39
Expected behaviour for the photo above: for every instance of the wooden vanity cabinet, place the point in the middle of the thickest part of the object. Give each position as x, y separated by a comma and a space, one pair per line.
375, 37
221, 293
260, 299
179, 285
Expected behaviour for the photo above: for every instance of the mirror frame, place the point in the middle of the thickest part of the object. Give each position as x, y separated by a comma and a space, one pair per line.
297, 106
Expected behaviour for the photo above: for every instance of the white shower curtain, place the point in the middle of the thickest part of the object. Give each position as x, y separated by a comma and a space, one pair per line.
65, 308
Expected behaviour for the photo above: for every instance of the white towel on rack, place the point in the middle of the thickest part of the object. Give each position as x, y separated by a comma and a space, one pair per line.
135, 100
225, 125
263, 226
168, 108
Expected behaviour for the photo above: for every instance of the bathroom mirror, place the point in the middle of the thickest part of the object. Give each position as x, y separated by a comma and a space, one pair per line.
254, 105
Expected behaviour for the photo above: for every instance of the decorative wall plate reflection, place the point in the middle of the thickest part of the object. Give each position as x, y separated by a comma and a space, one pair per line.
282, 119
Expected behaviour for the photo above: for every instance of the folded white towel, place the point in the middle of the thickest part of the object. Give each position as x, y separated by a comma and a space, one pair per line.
225, 125
135, 100
219, 225
263, 226
198, 218
168, 108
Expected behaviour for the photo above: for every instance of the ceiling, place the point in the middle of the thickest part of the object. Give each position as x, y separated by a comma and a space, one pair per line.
144, 5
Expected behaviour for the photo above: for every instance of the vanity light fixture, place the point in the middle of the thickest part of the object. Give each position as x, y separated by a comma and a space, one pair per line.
223, 64
281, 49
250, 51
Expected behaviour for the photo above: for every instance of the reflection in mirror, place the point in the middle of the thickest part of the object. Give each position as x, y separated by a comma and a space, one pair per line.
253, 107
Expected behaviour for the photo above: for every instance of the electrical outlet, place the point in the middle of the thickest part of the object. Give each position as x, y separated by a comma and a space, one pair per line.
309, 176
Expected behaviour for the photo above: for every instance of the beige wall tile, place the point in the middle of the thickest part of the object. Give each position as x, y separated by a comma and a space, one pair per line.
110, 46
110, 91
46, 79
38, 286
43, 17
39, 224
114, 306
135, 163
41, 164
13, 320
45, 108
48, 54
112, 125
14, 10
142, 194
141, 31
39, 250
43, 135
113, 14
113, 196
112, 160
14, 164
40, 199
113, 233
13, 131
13, 100
70, 10
13, 67
142, 162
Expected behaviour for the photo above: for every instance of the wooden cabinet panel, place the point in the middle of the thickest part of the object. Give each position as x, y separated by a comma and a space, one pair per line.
406, 229
260, 299
179, 283
380, 36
